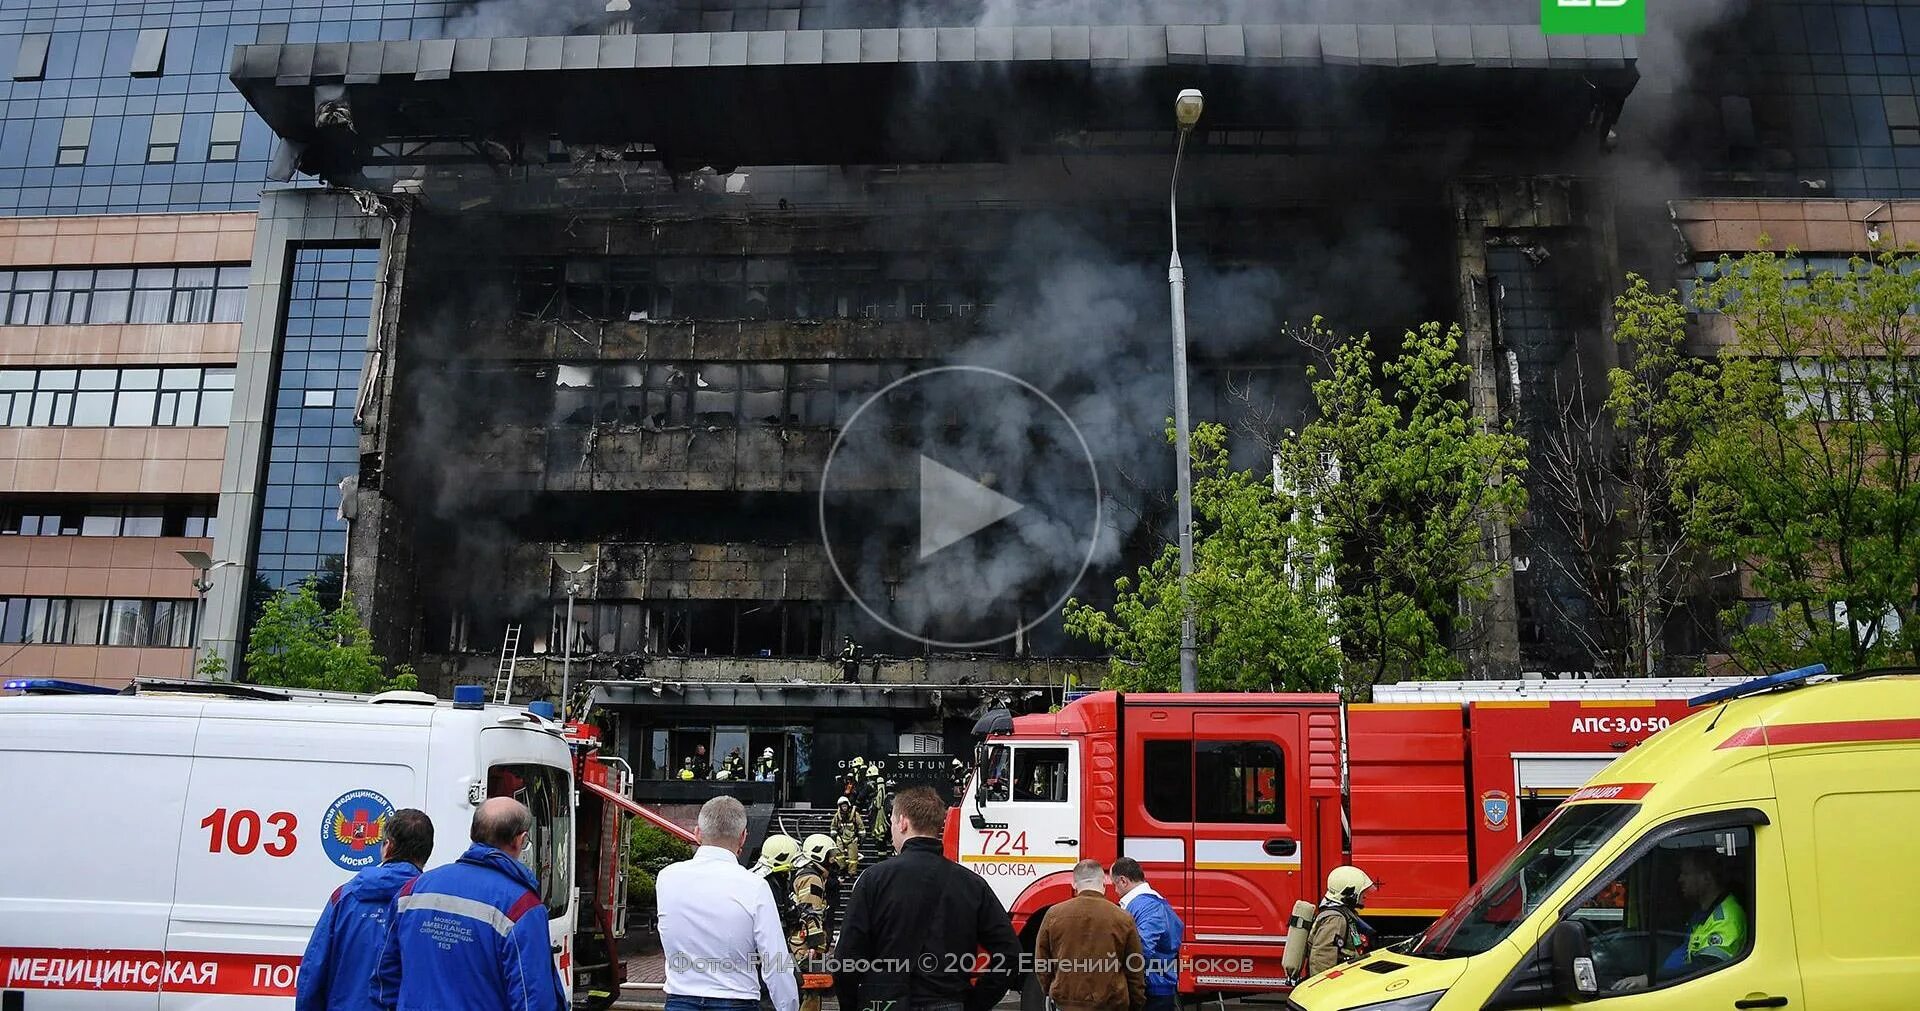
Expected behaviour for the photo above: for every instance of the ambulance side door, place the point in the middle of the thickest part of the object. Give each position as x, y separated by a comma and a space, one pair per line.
535, 768
279, 814
1248, 841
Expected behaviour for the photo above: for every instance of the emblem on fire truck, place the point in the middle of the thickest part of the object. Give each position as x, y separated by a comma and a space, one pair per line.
1495, 806
354, 828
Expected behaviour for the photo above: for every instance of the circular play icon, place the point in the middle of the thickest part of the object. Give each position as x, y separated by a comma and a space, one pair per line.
960, 507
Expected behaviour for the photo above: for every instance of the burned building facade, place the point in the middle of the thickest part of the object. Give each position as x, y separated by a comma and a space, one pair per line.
612, 284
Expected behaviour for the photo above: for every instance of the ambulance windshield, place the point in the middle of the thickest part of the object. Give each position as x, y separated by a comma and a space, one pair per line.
1504, 899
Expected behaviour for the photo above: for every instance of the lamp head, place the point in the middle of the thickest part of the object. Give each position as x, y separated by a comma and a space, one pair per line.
572, 562
1187, 107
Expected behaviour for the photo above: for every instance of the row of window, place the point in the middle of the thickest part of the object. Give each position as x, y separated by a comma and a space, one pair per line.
163, 138
95, 621
718, 394
770, 287
147, 58
85, 295
106, 519
116, 398
765, 628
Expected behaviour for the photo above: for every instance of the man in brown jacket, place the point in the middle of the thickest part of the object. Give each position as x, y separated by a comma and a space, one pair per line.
1088, 953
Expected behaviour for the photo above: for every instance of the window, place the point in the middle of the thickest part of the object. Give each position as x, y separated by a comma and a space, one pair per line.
121, 398
1040, 774
548, 795
1238, 782
88, 621
149, 53
207, 294
1682, 910
1501, 900
163, 139
1169, 791
105, 519
75, 134
31, 63
225, 142
1903, 118
996, 773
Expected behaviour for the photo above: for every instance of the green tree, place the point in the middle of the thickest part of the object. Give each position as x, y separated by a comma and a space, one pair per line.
1804, 459
299, 643
1264, 620
1407, 483
649, 850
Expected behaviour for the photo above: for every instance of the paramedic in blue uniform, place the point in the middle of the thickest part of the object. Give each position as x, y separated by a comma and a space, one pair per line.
473, 935
337, 970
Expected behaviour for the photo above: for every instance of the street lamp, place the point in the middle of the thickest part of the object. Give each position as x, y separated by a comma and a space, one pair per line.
1186, 111
204, 567
575, 565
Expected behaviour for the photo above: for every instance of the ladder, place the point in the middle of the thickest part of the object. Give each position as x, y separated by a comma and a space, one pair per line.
503, 678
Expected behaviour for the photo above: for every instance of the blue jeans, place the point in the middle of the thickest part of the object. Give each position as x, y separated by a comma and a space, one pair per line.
1162, 1001
711, 1004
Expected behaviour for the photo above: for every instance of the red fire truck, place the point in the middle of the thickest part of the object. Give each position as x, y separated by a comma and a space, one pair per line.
1236, 806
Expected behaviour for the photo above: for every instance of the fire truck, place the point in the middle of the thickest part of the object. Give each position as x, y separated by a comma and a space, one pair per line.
1237, 806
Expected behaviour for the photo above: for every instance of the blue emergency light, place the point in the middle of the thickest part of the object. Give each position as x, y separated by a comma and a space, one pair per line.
1757, 685
544, 710
469, 697
54, 686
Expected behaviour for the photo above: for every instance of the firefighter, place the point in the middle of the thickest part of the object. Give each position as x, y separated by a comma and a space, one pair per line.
958, 770
702, 766
1339, 935
846, 829
765, 769
878, 781
687, 770
734, 768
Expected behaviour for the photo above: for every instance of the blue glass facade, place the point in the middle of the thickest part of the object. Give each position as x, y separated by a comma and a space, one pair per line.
312, 442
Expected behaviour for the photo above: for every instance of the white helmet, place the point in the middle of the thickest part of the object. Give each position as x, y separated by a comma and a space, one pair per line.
1349, 885
777, 854
819, 848
768, 753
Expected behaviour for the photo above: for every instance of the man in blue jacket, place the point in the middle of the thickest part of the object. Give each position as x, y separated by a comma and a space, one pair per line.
473, 935
337, 970
1160, 932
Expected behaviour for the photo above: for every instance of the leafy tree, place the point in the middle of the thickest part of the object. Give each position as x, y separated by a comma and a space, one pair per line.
1407, 484
1804, 460
1264, 622
649, 851
1348, 564
299, 643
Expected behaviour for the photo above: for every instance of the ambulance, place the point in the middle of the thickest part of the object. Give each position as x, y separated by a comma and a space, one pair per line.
1760, 853
171, 848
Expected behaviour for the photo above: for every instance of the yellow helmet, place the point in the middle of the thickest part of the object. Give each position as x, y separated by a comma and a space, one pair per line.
819, 848
777, 854
1349, 885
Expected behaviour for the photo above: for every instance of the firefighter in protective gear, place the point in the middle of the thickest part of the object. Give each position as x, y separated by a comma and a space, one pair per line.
879, 783
765, 769
807, 930
1339, 935
846, 829
686, 769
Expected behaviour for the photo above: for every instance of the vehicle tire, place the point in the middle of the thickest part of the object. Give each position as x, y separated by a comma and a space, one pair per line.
1031, 998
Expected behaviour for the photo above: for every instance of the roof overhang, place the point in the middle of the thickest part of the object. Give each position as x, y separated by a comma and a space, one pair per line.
863, 96
788, 697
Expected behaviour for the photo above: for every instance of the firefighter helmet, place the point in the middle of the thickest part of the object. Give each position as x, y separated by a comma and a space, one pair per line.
844, 799
777, 854
819, 848
1349, 885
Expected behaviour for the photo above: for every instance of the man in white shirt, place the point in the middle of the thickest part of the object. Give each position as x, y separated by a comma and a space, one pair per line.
719, 928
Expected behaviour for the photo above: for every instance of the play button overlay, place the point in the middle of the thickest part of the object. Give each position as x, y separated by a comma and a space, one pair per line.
954, 507
960, 508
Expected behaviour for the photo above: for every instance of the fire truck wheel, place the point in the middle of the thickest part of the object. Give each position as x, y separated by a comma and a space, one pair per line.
1031, 997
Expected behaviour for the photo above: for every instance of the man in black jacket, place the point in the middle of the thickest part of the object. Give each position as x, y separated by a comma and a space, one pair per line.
917, 923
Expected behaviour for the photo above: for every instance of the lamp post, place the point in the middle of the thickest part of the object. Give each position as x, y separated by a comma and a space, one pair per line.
1186, 111
204, 567
574, 565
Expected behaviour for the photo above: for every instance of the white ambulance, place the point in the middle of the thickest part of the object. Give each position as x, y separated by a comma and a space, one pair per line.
171, 848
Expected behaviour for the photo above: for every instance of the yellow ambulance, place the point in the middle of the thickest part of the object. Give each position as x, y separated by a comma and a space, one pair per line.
1762, 853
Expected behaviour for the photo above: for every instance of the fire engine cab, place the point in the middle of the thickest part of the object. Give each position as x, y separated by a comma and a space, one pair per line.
1238, 805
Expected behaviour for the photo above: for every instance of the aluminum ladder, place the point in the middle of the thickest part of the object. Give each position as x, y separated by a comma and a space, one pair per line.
503, 678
